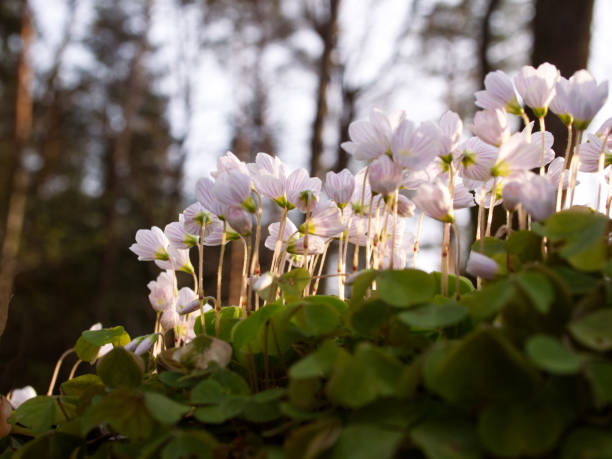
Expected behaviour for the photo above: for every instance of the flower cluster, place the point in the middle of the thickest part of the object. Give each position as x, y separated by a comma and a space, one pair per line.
430, 168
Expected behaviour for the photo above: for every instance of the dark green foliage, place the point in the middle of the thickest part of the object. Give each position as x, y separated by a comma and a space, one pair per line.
520, 368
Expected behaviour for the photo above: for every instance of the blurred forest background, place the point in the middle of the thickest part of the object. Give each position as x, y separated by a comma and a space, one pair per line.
111, 110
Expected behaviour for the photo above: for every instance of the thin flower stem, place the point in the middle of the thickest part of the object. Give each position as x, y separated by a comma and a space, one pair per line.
416, 240
543, 130
346, 243
369, 238
384, 234
74, 369
306, 233
201, 275
279, 242
245, 264
219, 279
321, 264
491, 207
600, 168
566, 164
575, 164
57, 368
339, 267
255, 255
457, 260
394, 235
444, 260
509, 215
374, 251
525, 118
360, 221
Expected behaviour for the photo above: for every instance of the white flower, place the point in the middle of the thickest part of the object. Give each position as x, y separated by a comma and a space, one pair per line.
555, 168
273, 232
178, 261
361, 195
516, 154
324, 221
186, 301
435, 200
476, 159
584, 97
451, 128
498, 93
263, 281
589, 152
385, 175
405, 207
537, 87
214, 233
240, 220
403, 252
21, 395
340, 186
538, 197
169, 319
162, 291
492, 126
233, 189
269, 176
206, 197
481, 266
372, 138
194, 217
302, 190
414, 148
150, 244
105, 349
229, 162
178, 237
511, 194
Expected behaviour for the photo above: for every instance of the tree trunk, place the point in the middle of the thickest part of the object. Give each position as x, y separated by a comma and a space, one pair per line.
17, 203
561, 36
327, 32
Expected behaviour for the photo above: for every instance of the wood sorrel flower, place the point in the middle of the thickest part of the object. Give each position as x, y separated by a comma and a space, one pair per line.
492, 126
240, 220
178, 260
178, 237
151, 245
194, 217
590, 151
162, 291
372, 138
340, 186
476, 159
186, 301
206, 197
586, 98
229, 162
169, 319
498, 93
537, 87
233, 189
538, 197
21, 395
481, 266
302, 191
435, 200
385, 175
414, 148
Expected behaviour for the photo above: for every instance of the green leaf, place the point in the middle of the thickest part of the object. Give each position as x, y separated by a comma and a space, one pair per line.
434, 316
581, 235
229, 407
447, 438
367, 375
491, 246
329, 300
293, 283
38, 413
269, 395
79, 385
208, 391
552, 356
175, 380
52, 445
599, 374
116, 336
202, 351
366, 441
577, 282
319, 363
538, 289
86, 351
231, 381
588, 443
594, 330
370, 317
317, 318
482, 366
525, 245
311, 440
303, 393
246, 331
360, 287
228, 317
192, 444
465, 285
125, 411
487, 303
523, 427
406, 287
163, 409
120, 368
